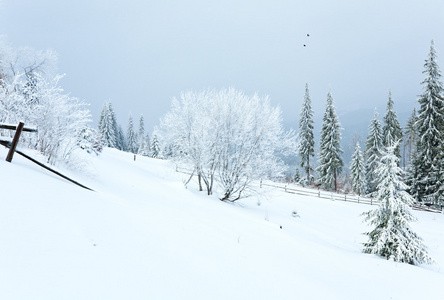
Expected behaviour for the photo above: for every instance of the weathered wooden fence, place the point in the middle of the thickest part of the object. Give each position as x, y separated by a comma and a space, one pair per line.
313, 192
12, 145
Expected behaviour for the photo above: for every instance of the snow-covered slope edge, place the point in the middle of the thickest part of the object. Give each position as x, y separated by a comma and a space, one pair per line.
142, 235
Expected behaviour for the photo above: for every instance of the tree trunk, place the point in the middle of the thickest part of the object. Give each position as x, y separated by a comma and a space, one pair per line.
200, 183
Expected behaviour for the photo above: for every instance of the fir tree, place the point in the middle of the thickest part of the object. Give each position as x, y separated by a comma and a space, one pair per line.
411, 135
373, 150
155, 148
108, 126
429, 158
306, 136
391, 132
297, 176
357, 171
330, 161
392, 236
141, 143
131, 140
121, 141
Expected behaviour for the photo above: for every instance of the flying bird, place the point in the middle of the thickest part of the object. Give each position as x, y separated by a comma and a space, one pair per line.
308, 34
305, 45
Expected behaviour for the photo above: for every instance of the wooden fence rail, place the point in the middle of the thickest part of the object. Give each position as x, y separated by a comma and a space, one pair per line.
303, 191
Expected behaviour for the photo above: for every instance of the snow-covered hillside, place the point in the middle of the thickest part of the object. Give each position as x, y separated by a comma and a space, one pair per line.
142, 235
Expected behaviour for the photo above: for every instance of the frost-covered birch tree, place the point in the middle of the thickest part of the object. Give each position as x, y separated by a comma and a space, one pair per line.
330, 161
30, 91
373, 152
392, 237
357, 171
228, 138
429, 157
306, 137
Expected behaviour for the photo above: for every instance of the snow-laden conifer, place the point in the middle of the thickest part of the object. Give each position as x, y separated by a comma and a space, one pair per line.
107, 126
411, 136
155, 148
131, 139
392, 236
429, 158
141, 138
373, 153
391, 131
306, 137
357, 172
330, 161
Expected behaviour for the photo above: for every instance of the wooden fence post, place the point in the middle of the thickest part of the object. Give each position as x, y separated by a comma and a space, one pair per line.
15, 142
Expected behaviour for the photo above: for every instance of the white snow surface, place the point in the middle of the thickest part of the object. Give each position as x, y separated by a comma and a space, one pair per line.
142, 235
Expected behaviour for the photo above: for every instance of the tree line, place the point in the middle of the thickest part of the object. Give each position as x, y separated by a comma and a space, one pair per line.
422, 138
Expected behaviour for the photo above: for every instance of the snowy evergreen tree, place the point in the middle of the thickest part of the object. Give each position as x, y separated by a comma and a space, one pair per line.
373, 152
108, 126
141, 139
131, 140
121, 140
391, 131
429, 157
411, 136
306, 136
330, 161
155, 148
297, 176
392, 236
357, 171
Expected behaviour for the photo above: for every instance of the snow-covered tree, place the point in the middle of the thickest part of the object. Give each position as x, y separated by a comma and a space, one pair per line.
392, 236
228, 138
330, 161
306, 136
155, 148
131, 139
357, 172
30, 91
391, 131
121, 140
108, 126
373, 153
429, 157
141, 138
411, 136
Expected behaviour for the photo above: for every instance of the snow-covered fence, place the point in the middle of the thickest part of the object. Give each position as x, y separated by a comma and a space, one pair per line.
12, 144
293, 189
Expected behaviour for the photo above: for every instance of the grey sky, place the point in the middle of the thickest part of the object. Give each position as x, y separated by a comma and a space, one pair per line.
139, 54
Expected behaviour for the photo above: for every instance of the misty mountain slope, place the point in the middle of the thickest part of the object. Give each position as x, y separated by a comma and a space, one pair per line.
142, 235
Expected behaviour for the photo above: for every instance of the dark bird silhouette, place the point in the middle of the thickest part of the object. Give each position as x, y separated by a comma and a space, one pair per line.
308, 34
305, 45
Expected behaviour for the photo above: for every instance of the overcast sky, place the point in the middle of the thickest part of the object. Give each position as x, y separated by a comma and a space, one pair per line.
141, 53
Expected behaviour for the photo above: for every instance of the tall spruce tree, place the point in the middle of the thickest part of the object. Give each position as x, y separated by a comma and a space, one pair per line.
155, 148
131, 139
141, 134
306, 136
357, 171
330, 161
108, 126
411, 135
428, 161
391, 132
392, 236
373, 153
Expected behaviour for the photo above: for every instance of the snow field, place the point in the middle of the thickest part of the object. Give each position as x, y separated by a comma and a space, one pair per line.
142, 235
